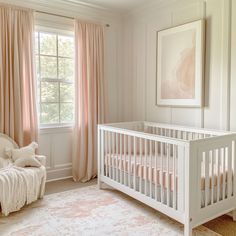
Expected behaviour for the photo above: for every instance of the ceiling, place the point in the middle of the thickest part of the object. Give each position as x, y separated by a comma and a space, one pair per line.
114, 5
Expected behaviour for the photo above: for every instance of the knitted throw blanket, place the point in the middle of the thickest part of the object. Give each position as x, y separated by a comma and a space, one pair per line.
20, 186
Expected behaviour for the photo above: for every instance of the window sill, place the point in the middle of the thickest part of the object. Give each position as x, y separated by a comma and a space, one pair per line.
56, 129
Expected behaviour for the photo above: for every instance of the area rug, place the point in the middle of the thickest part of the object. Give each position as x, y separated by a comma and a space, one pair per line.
90, 211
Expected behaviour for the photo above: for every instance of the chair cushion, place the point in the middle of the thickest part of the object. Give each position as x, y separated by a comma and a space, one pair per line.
5, 162
27, 162
24, 152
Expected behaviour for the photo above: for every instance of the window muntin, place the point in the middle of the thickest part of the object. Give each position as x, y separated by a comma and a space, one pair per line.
55, 76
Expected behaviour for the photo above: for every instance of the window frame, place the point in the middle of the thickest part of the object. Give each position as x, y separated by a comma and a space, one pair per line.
56, 31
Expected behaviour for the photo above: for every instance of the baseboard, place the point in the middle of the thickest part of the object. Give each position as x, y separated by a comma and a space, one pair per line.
58, 174
52, 180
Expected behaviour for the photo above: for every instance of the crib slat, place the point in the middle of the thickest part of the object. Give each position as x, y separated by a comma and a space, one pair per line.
141, 164
187, 135
102, 152
150, 168
121, 159
218, 175
113, 155
135, 165
206, 177
155, 169
229, 168
145, 166
168, 174
223, 161
129, 166
174, 176
117, 153
212, 176
198, 136
161, 178
181, 178
99, 156
125, 161
106, 153
110, 151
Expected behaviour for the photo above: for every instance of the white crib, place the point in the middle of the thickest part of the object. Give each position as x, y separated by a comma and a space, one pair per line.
185, 173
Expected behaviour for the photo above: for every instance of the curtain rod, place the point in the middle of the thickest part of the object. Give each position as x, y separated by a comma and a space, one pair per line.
68, 17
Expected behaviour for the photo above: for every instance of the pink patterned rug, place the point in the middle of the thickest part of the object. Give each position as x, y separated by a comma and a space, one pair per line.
90, 211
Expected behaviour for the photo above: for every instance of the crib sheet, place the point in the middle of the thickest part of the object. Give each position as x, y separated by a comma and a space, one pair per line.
138, 163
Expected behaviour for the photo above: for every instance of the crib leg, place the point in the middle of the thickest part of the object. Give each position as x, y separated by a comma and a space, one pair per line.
99, 183
187, 230
234, 215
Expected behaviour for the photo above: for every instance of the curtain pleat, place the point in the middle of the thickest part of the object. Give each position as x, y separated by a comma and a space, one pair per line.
18, 113
90, 99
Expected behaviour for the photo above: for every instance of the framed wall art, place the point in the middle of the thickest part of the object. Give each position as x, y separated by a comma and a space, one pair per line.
180, 59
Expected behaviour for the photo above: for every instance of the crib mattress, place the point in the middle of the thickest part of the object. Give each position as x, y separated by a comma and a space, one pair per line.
137, 167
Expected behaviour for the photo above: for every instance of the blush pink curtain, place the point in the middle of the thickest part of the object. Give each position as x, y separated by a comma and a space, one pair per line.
89, 98
18, 114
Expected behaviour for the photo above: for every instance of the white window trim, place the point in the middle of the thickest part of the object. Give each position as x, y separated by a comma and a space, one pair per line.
55, 129
52, 127
48, 29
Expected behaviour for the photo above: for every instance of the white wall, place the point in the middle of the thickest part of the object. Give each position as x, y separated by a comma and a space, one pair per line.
233, 70
138, 87
56, 143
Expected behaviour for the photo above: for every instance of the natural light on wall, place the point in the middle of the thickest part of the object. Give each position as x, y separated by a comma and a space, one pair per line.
55, 76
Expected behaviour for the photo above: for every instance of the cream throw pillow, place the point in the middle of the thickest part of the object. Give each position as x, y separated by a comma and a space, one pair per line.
27, 162
24, 152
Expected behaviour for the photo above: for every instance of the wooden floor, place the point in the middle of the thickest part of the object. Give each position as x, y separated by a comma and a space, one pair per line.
65, 185
223, 225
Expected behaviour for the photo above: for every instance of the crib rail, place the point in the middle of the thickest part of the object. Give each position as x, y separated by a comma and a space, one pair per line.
147, 165
169, 130
184, 130
185, 173
178, 132
212, 165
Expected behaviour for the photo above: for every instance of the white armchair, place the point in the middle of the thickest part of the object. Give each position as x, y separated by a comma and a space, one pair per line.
31, 180
4, 162
5, 141
41, 159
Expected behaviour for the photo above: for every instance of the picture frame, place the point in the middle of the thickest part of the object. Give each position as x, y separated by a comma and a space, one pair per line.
180, 65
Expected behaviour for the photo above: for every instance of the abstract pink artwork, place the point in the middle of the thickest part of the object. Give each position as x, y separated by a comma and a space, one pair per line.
180, 65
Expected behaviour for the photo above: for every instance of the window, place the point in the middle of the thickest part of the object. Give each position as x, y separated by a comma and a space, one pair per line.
55, 76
